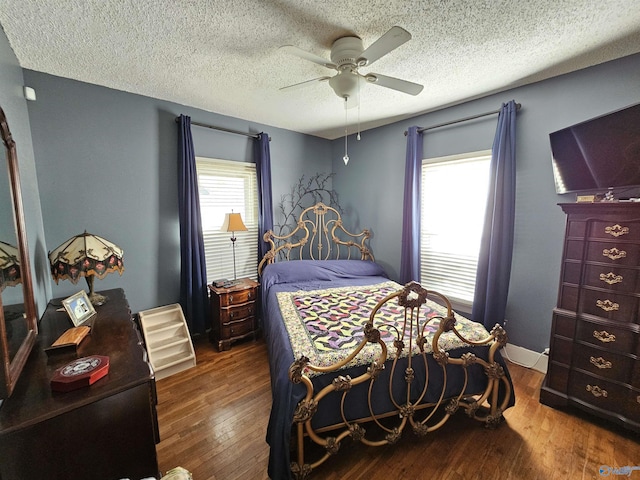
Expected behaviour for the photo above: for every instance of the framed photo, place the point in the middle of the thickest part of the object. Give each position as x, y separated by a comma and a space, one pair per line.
78, 307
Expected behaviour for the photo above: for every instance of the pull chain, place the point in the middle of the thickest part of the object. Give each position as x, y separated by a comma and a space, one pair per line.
346, 155
359, 102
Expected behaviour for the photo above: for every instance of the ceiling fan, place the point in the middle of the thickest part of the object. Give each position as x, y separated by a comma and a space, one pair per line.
347, 56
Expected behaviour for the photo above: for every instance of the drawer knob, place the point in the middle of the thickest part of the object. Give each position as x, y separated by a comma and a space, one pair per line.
614, 253
611, 278
607, 305
638, 399
604, 336
616, 230
600, 362
596, 391
231, 298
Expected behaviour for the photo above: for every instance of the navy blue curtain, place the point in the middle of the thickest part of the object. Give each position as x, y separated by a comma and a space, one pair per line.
494, 262
193, 268
265, 208
410, 255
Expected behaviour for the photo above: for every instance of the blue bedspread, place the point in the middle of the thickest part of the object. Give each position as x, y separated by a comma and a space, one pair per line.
294, 276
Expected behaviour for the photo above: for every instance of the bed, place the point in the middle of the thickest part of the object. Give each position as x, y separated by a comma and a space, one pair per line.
353, 354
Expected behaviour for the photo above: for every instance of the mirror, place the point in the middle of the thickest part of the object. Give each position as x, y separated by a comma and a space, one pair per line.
18, 321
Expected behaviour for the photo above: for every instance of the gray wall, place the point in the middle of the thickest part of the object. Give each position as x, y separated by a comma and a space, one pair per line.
15, 108
107, 163
372, 183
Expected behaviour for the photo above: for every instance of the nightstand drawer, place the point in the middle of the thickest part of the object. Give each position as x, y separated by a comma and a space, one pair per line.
238, 297
238, 328
237, 313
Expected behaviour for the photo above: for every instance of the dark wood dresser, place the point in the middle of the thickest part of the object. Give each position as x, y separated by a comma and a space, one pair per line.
104, 431
594, 359
233, 312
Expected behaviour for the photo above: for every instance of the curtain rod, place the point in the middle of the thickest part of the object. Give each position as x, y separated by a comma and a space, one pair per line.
473, 117
222, 129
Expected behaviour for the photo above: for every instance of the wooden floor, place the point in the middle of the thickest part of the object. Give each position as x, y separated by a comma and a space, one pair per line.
213, 420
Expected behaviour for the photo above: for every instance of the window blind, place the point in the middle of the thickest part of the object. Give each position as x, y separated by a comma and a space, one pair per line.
453, 200
224, 187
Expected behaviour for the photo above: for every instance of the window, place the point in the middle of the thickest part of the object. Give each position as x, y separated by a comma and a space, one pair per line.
454, 197
226, 186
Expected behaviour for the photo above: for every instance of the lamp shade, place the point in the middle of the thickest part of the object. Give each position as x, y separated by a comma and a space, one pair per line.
9, 266
85, 255
233, 223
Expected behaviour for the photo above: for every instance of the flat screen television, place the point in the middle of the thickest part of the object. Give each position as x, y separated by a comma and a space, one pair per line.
598, 154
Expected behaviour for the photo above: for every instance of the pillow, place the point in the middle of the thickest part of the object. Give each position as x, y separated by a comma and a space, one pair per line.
309, 270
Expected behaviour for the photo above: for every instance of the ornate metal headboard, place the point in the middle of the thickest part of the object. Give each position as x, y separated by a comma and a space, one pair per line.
319, 235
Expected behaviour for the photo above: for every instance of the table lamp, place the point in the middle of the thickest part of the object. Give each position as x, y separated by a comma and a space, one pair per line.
9, 266
88, 256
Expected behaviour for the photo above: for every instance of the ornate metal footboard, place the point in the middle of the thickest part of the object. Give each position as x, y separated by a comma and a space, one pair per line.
319, 235
410, 405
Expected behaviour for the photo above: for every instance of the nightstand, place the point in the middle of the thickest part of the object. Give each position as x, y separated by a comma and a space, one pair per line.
233, 312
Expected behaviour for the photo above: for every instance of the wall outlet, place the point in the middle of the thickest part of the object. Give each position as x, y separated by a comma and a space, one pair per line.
545, 351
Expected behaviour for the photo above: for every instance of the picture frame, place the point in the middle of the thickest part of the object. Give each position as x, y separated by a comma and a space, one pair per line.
79, 308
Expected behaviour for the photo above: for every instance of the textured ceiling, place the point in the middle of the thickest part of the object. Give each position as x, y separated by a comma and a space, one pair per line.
223, 56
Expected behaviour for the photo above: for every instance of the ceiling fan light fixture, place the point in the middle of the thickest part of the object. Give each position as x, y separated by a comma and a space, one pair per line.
345, 83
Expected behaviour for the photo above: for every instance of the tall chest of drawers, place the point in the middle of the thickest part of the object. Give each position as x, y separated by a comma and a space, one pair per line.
594, 359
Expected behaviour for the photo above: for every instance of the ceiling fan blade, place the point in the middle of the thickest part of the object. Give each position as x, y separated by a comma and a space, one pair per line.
298, 52
306, 83
394, 83
391, 40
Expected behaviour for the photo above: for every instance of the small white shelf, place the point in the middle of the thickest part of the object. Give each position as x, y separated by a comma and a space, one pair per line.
167, 340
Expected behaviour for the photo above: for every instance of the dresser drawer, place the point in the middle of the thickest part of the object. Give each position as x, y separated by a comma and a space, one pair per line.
561, 350
558, 377
568, 297
616, 229
610, 337
563, 324
598, 392
635, 374
237, 298
633, 405
231, 314
612, 278
615, 253
603, 363
606, 304
238, 328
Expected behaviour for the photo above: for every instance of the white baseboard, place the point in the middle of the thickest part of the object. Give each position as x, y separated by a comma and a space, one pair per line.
526, 358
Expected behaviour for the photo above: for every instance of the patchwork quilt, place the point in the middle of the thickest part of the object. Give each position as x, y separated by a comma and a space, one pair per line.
326, 325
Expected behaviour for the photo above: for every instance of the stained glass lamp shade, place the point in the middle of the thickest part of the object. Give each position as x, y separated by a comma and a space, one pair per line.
9, 266
88, 256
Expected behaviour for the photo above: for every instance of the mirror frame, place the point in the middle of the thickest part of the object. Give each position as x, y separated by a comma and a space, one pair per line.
11, 368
